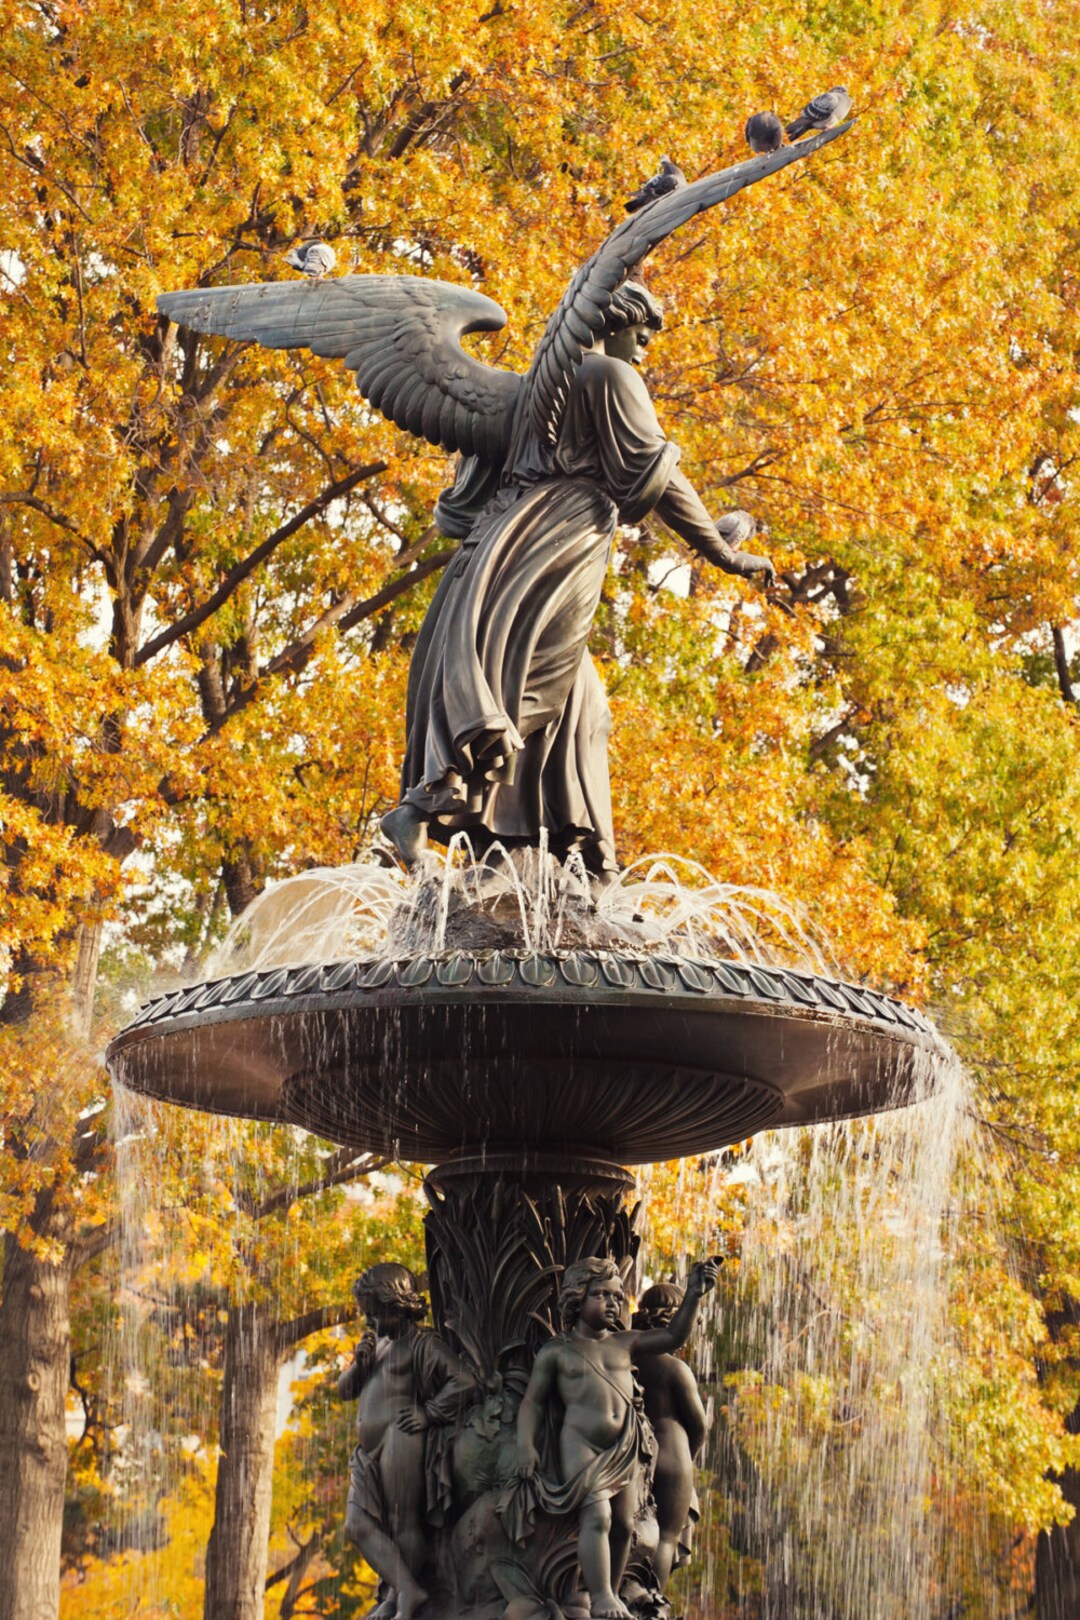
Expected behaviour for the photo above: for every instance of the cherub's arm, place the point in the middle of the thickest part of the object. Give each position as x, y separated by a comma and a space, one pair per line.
531, 1411
657, 1341
356, 1373
444, 1385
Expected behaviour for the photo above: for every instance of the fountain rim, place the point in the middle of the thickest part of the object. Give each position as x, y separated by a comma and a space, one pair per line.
505, 977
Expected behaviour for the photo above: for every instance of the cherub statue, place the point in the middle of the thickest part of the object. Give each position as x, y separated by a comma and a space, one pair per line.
410, 1386
605, 1445
673, 1407
507, 722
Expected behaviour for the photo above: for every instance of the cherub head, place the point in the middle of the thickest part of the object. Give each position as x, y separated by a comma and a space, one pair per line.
578, 1279
389, 1292
657, 1306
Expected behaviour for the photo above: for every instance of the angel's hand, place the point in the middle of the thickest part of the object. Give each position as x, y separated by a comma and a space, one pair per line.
745, 564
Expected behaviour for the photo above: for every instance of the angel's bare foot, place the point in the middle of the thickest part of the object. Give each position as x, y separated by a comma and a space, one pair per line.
407, 830
410, 1598
386, 1610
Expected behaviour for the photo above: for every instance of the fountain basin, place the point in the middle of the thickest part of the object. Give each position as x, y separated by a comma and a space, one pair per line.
631, 1057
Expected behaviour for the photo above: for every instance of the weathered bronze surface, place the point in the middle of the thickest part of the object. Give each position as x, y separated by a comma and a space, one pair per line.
507, 722
633, 1058
530, 1456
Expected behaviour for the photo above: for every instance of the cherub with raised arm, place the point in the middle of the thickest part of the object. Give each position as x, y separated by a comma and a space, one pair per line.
605, 1445
410, 1386
673, 1407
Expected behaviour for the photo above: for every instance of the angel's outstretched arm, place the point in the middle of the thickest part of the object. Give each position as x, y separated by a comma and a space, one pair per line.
682, 510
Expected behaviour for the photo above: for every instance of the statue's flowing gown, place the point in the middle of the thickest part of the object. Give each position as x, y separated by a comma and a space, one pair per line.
507, 721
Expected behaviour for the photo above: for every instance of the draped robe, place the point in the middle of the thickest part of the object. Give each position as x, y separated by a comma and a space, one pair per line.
507, 722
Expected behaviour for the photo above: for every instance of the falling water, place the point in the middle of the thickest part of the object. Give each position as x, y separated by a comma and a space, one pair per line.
519, 898
193, 1248
828, 1355
840, 1487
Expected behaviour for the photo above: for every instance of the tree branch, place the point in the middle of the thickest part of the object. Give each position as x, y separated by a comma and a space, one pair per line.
293, 658
241, 570
95, 1242
53, 513
288, 1334
341, 1167
306, 1551
1061, 664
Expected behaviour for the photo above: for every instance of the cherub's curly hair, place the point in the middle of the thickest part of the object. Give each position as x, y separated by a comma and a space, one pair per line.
390, 1284
575, 1285
660, 1297
633, 305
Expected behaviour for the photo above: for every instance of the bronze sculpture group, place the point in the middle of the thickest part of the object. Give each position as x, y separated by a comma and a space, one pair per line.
506, 1470
606, 1431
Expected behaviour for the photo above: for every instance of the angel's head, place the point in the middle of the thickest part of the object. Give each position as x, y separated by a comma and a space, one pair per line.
632, 318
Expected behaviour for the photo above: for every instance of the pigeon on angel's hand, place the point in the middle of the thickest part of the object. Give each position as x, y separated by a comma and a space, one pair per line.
669, 177
764, 132
736, 527
824, 112
313, 259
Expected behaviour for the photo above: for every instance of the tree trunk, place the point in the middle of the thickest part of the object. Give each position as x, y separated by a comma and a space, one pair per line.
1057, 1556
35, 1362
237, 1553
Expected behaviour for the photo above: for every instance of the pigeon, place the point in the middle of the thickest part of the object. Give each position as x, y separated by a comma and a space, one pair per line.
764, 132
313, 259
668, 178
824, 112
736, 527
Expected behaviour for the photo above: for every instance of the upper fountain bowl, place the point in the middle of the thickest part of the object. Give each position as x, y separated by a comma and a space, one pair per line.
632, 1057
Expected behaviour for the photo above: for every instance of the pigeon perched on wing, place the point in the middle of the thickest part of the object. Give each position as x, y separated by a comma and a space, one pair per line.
764, 132
669, 177
824, 112
736, 527
312, 259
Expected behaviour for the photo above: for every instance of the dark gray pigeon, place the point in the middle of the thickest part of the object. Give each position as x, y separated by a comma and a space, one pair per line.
764, 132
736, 527
669, 177
824, 112
312, 259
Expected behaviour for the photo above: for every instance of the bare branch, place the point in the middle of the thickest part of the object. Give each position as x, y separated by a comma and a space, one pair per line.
288, 1334
242, 570
341, 1167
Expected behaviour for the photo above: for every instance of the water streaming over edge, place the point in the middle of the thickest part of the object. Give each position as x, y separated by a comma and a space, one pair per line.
830, 1453
842, 1487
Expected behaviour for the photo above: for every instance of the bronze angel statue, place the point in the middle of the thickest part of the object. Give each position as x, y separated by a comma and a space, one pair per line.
507, 721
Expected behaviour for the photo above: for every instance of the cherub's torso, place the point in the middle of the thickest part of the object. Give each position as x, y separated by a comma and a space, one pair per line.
595, 1381
388, 1389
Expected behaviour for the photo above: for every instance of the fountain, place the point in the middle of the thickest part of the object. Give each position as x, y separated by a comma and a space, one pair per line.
529, 1050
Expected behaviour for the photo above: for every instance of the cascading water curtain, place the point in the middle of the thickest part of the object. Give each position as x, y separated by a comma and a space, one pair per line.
838, 1479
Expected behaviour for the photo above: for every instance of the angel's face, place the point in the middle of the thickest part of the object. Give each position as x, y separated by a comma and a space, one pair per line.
629, 344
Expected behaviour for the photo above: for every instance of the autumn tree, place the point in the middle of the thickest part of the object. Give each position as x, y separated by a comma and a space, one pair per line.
212, 560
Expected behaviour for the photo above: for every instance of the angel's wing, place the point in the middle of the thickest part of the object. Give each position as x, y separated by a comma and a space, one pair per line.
401, 335
580, 316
